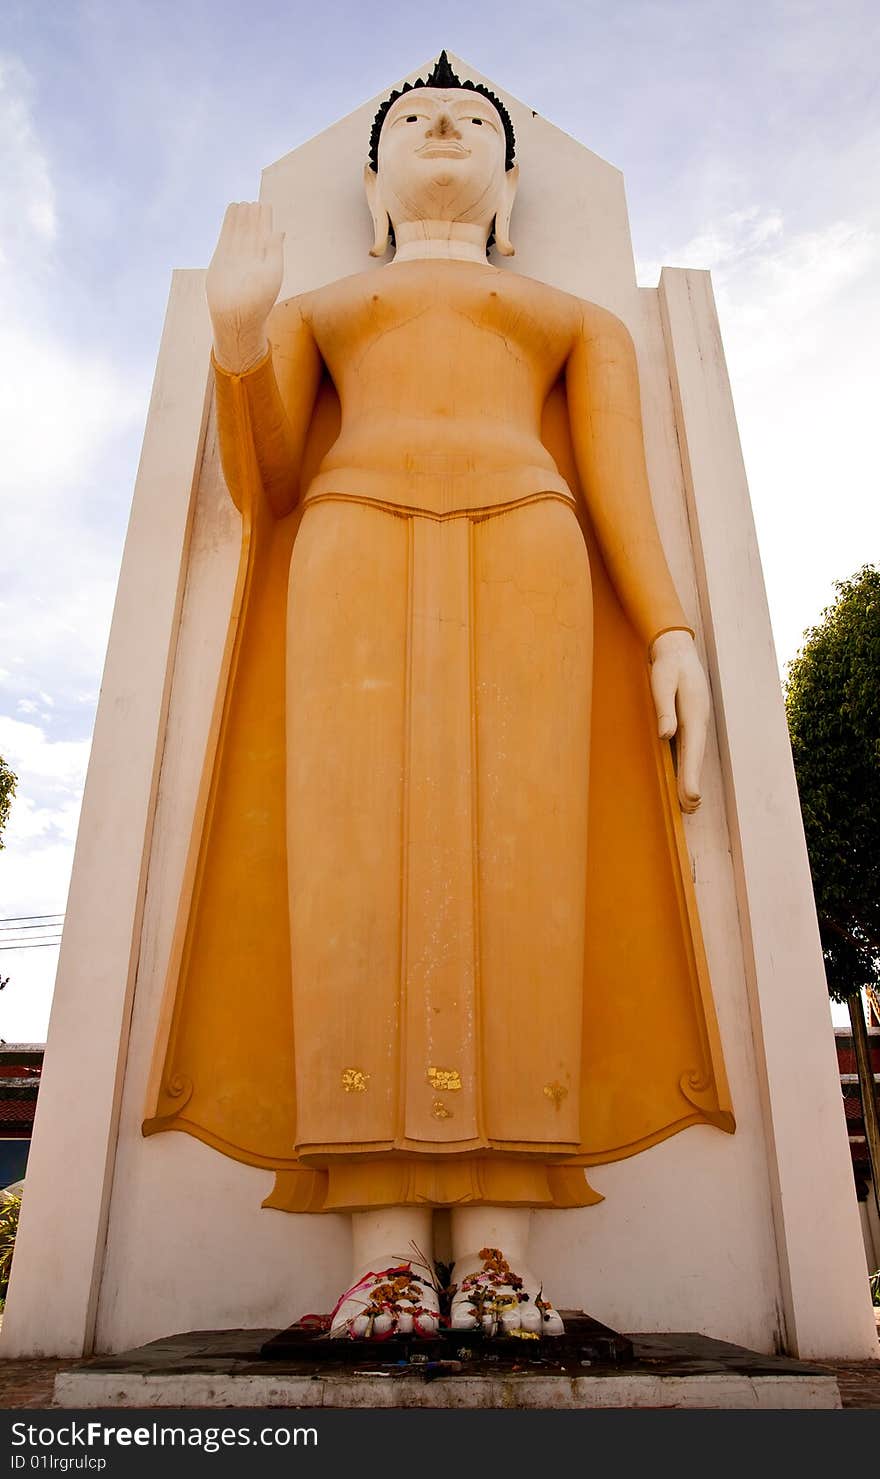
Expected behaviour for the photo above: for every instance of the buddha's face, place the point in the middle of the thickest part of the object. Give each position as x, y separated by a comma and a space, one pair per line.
441, 157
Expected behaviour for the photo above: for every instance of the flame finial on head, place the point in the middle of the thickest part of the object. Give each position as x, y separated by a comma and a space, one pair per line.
442, 75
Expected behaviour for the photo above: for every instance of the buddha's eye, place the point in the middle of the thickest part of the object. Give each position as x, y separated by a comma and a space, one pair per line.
478, 122
412, 118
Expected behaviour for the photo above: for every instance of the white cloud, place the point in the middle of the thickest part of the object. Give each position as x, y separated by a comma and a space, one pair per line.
62, 402
772, 286
32, 754
29, 821
36, 861
793, 307
27, 198
63, 411
26, 1001
41, 831
35, 880
57, 413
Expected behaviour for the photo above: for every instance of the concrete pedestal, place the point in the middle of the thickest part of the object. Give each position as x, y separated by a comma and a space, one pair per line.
224, 1369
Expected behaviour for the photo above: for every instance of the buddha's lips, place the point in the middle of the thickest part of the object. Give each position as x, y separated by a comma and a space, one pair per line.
443, 151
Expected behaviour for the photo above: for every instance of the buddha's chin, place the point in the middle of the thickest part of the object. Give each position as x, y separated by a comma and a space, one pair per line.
443, 175
447, 174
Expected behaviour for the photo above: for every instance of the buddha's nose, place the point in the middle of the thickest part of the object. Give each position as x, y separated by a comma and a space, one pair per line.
444, 126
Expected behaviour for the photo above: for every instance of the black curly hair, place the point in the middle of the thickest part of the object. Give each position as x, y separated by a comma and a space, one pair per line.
442, 75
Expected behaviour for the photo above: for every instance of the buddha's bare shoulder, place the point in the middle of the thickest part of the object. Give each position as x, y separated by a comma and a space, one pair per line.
582, 319
306, 306
587, 318
601, 324
591, 320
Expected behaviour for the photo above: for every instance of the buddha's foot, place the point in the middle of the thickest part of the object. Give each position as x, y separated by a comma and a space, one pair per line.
488, 1292
397, 1300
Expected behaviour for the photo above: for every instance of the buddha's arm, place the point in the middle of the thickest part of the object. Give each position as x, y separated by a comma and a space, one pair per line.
267, 408
606, 427
266, 362
602, 383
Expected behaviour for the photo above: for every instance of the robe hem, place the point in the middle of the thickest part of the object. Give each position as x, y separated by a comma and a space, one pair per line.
719, 1119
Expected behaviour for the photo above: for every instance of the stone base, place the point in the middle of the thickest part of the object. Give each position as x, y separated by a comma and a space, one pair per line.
583, 1341
224, 1369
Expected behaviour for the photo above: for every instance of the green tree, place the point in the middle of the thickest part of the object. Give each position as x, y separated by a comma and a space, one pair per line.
833, 704
8, 780
10, 1207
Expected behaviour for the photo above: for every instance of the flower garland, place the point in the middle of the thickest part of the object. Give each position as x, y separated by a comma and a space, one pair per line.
488, 1302
392, 1291
494, 1292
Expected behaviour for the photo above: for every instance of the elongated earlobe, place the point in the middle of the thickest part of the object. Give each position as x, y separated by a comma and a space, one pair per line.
381, 219
502, 215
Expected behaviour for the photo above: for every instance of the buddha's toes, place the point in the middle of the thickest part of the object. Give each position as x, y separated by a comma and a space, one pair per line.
391, 1300
490, 1293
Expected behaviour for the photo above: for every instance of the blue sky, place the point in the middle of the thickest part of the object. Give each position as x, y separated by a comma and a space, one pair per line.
748, 135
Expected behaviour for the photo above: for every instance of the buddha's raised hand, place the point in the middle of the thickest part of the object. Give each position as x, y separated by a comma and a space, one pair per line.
243, 281
681, 698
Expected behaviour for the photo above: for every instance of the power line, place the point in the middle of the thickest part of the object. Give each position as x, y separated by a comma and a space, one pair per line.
16, 931
17, 928
34, 945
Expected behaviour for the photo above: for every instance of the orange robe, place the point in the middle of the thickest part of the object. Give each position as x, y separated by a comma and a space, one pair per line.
438, 940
